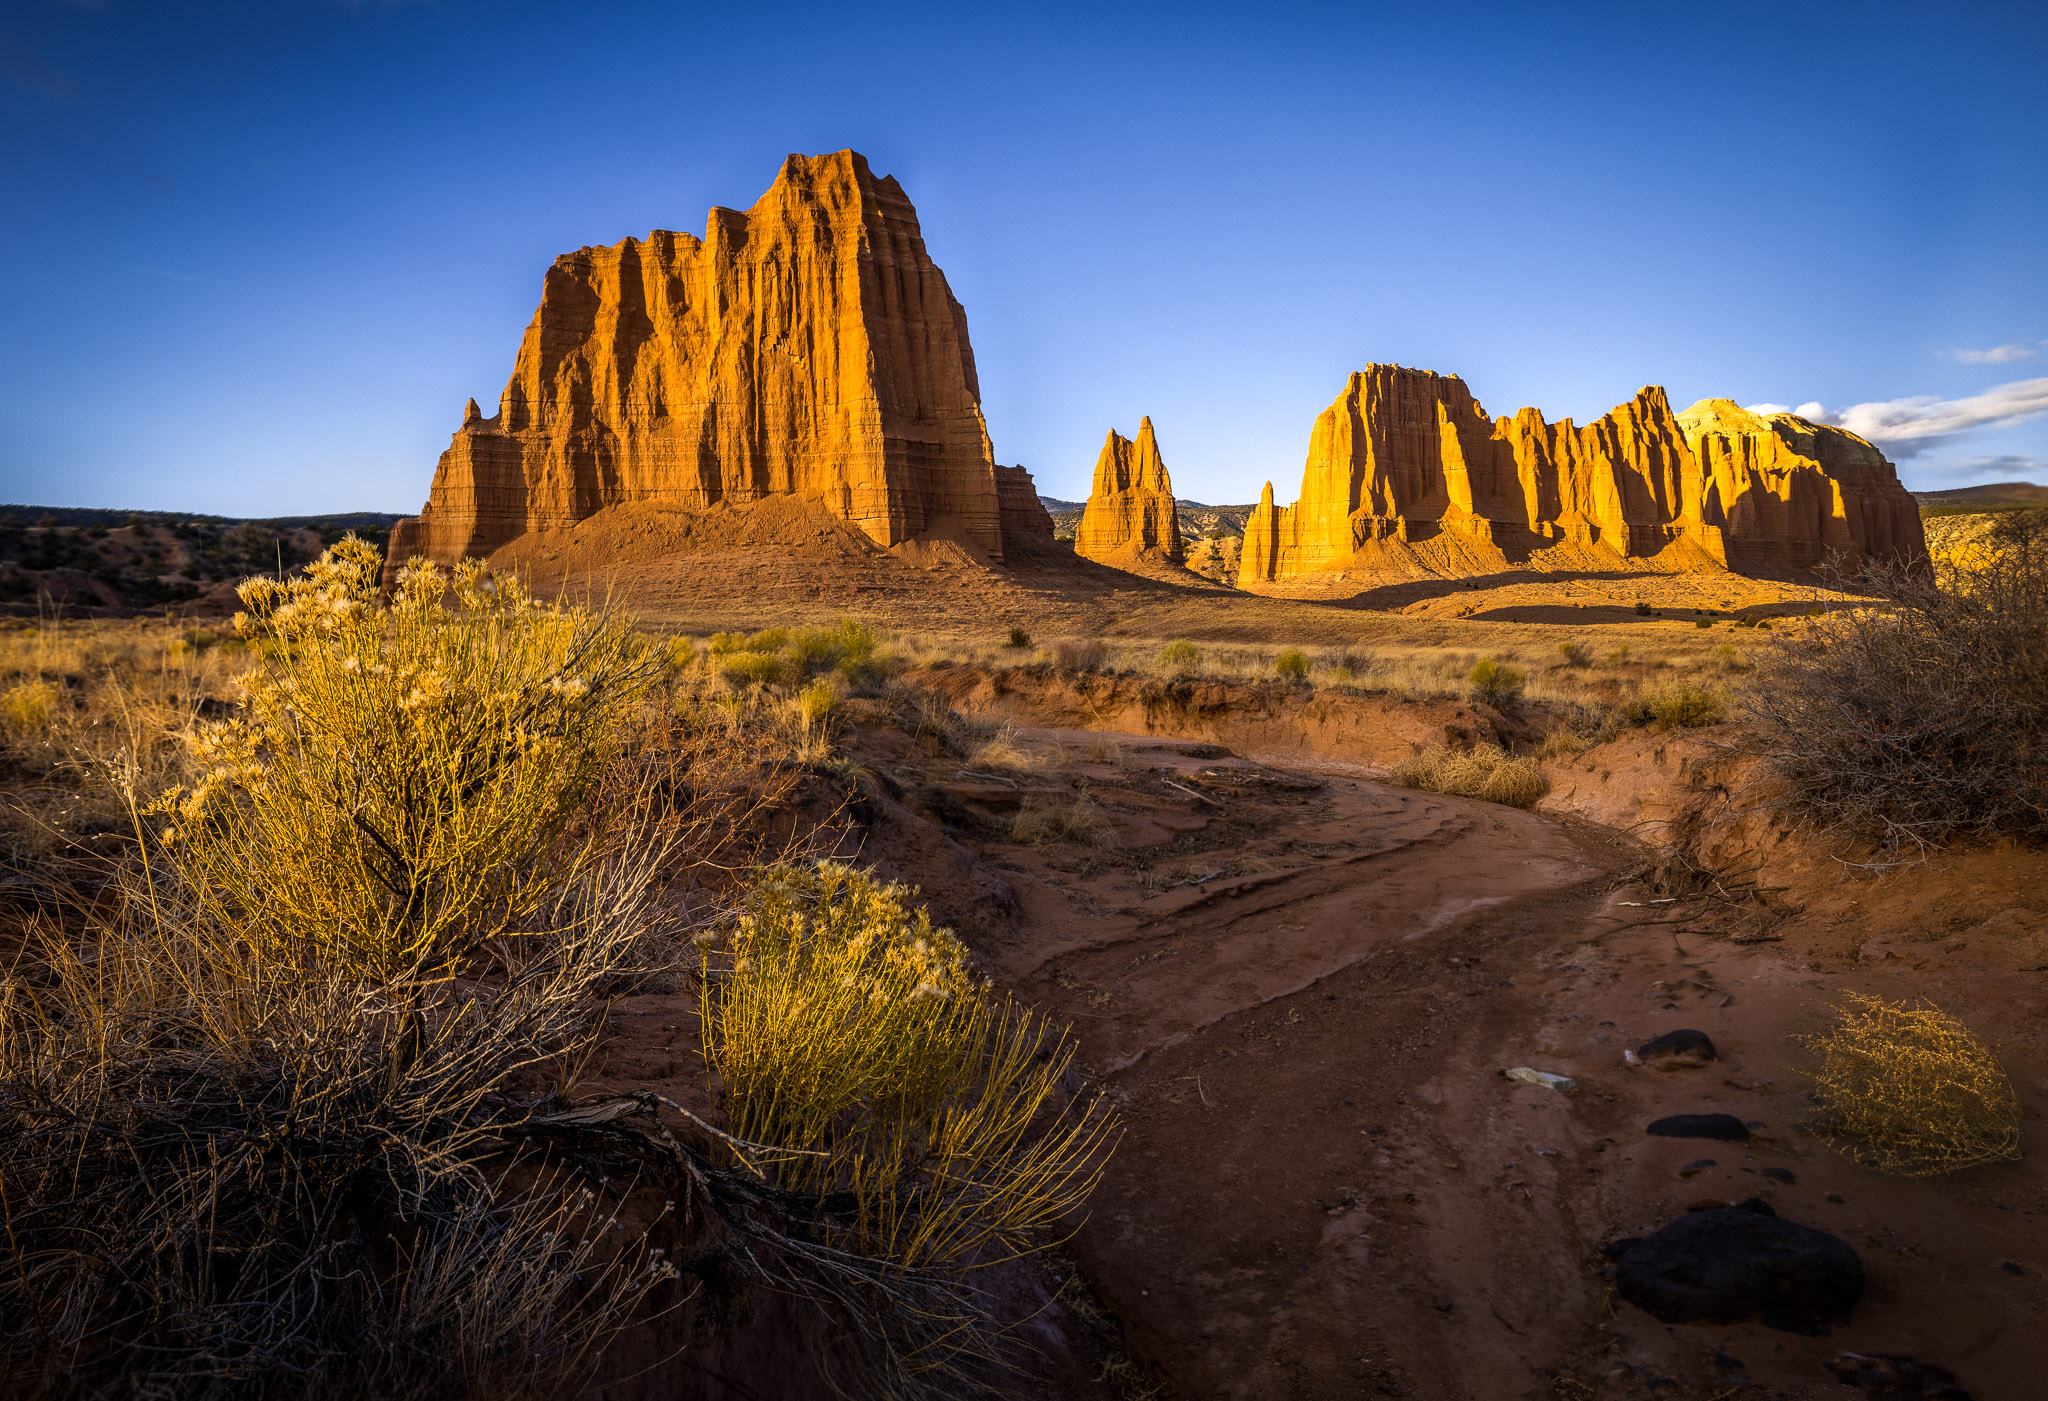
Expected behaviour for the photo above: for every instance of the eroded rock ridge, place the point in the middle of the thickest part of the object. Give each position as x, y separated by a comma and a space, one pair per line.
807, 348
1407, 455
1130, 506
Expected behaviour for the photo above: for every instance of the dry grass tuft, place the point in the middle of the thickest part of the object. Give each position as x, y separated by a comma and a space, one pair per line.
1486, 772
1002, 752
1682, 705
1910, 1090
1062, 818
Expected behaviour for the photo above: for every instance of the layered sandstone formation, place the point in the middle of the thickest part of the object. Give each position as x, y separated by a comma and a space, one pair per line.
1026, 525
1130, 507
807, 348
1408, 455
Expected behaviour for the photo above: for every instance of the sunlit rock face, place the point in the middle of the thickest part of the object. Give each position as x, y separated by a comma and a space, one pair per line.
807, 348
1408, 455
1130, 506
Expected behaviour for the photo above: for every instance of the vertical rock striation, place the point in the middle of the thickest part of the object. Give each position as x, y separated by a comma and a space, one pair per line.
807, 348
1130, 507
1408, 455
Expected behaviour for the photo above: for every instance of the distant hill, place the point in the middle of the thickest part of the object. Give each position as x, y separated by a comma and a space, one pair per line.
87, 558
1997, 496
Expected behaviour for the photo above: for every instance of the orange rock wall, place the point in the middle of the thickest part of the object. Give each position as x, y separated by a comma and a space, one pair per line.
1408, 454
808, 347
1130, 506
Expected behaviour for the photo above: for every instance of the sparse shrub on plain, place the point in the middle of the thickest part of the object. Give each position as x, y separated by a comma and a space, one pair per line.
1051, 819
1910, 1090
1924, 720
1077, 655
1575, 654
1180, 659
1496, 683
1619, 656
1685, 705
1018, 638
1644, 610
1351, 663
1485, 771
1291, 664
28, 708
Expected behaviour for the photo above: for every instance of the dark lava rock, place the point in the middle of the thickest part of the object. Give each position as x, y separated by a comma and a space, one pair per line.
1677, 1048
1726, 1265
1722, 1126
1897, 1378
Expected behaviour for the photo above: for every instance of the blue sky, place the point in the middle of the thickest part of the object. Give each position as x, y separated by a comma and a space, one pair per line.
259, 254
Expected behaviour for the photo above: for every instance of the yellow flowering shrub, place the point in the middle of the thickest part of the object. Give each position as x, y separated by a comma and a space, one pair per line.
400, 769
852, 1034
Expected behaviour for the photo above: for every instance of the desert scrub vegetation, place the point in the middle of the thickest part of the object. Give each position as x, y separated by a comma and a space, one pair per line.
1056, 818
1485, 771
289, 1093
1923, 717
1496, 683
1908, 1089
865, 1061
1682, 705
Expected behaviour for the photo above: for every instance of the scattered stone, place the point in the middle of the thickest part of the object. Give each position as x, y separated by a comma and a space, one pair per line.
1784, 1175
1732, 1263
1890, 1378
2013, 1268
1694, 1169
1563, 1084
1676, 1050
1725, 1127
1836, 1199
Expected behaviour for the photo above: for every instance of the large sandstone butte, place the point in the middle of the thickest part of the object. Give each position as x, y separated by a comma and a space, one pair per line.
1408, 456
1130, 507
808, 348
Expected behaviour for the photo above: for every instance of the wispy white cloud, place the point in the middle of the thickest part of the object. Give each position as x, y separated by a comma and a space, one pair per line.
1907, 427
1996, 355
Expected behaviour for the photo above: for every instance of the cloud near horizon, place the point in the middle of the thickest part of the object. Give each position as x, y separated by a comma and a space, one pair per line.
1906, 427
1997, 355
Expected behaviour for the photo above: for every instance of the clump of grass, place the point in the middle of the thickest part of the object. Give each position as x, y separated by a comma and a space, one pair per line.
1348, 662
1684, 705
1292, 664
1496, 683
1619, 656
815, 704
1018, 638
28, 708
1062, 819
1180, 659
1002, 753
1644, 610
1575, 654
1910, 1090
749, 668
1485, 771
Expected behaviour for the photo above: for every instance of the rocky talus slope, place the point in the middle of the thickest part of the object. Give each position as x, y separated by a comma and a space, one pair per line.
808, 348
1131, 506
1406, 456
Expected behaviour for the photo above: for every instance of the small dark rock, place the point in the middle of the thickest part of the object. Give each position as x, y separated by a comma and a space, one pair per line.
1889, 1378
1677, 1048
2014, 1268
1694, 1169
1784, 1175
1837, 1199
1725, 1127
1724, 1363
1725, 1265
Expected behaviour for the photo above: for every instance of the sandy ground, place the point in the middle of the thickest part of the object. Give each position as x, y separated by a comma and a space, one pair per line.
1299, 988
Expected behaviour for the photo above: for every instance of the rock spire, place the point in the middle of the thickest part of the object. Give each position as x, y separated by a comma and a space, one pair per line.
1406, 455
807, 348
1130, 507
